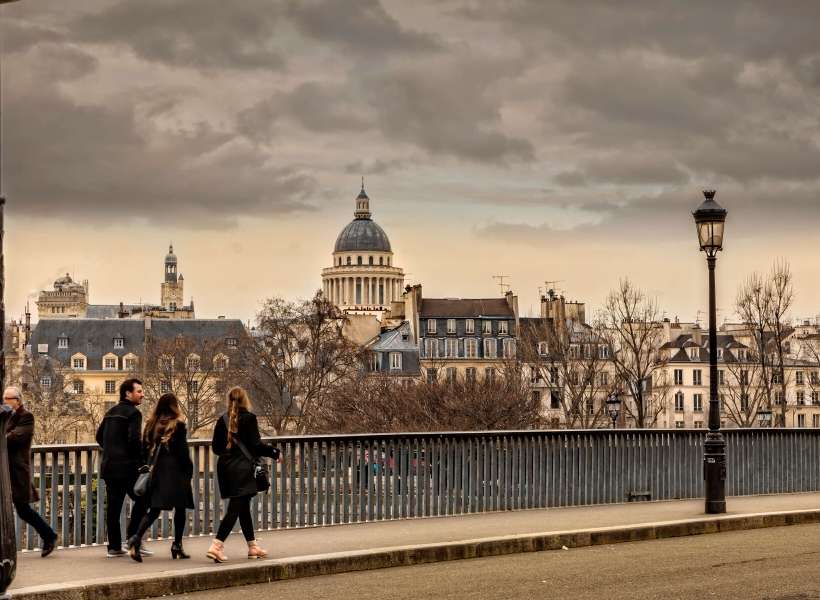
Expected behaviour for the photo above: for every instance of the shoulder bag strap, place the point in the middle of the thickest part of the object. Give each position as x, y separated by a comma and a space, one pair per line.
236, 439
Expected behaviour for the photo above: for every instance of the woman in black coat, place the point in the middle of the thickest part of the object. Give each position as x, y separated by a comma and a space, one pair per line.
235, 472
165, 441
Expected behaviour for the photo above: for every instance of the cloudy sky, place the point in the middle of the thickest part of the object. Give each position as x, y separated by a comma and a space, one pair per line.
544, 140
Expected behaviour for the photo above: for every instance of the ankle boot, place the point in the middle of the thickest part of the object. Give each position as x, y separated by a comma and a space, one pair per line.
255, 550
134, 548
177, 551
215, 552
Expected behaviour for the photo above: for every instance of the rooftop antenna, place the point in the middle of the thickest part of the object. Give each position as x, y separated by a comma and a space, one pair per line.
551, 287
503, 286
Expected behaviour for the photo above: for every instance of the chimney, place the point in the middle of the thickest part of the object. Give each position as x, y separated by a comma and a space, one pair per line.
28, 324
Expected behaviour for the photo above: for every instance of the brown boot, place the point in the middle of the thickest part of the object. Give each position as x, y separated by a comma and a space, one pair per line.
215, 552
256, 551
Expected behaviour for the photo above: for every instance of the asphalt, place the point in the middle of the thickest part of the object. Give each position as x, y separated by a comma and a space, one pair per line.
86, 574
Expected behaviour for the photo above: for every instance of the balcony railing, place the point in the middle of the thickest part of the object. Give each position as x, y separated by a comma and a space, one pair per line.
325, 480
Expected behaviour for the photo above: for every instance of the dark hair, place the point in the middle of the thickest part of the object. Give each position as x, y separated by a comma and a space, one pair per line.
163, 420
128, 386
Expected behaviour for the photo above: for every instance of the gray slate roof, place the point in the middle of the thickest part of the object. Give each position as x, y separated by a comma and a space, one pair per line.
465, 308
362, 235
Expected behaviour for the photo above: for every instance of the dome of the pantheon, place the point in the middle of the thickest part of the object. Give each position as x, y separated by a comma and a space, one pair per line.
362, 234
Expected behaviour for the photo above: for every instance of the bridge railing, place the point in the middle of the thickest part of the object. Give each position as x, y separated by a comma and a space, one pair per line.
327, 480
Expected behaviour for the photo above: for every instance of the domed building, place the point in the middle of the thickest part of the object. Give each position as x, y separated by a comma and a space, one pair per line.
363, 278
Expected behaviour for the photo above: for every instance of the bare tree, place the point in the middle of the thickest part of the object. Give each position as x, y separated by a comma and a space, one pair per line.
744, 389
781, 294
630, 325
56, 412
296, 359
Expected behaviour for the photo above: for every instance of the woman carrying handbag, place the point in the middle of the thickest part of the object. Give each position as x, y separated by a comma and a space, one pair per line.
165, 443
238, 444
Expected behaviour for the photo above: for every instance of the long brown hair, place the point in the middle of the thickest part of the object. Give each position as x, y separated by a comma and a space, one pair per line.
237, 399
163, 422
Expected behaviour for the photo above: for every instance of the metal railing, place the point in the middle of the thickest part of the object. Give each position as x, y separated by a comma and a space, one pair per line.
325, 480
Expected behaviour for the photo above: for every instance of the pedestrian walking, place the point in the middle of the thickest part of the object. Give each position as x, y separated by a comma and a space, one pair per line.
237, 443
19, 434
120, 436
165, 444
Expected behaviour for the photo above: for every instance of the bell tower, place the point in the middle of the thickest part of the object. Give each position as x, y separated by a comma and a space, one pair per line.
171, 289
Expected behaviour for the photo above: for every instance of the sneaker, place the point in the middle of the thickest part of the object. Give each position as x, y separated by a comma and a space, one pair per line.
114, 553
143, 550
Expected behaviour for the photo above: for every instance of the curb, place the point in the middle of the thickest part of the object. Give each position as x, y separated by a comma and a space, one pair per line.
224, 576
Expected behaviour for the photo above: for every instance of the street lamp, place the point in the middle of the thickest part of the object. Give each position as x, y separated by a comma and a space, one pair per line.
710, 218
613, 407
765, 416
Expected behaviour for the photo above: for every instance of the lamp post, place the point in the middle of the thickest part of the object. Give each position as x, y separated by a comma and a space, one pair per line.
710, 218
613, 407
765, 416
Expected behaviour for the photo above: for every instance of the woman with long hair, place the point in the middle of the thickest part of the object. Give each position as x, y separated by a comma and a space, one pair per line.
236, 433
165, 444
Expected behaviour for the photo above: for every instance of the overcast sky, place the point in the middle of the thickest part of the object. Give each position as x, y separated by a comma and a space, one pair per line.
542, 140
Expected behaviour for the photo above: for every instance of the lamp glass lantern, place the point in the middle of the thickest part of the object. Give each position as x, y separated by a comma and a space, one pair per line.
613, 406
710, 218
765, 416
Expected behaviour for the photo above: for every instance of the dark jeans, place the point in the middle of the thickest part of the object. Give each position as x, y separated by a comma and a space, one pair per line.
237, 508
30, 516
180, 520
115, 492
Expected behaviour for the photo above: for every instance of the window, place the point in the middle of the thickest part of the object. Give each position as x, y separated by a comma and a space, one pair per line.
489, 374
741, 355
698, 424
744, 402
813, 378
603, 352
721, 377
679, 401
110, 364
587, 351
573, 350
503, 328
815, 398
164, 387
798, 377
62, 342
776, 378
431, 348
744, 377
490, 348
697, 377
431, 325
697, 401
469, 374
220, 363
555, 399
469, 325
79, 386
432, 375
603, 379
815, 420
193, 387
778, 397
451, 348
375, 359
694, 353
678, 376
509, 348
590, 408
349, 261
395, 361
130, 364
370, 261
450, 374
78, 363
193, 363
381, 260
801, 397
470, 348
165, 363
451, 325
679, 424
536, 397
720, 353
486, 327
801, 420
110, 386
358, 260
231, 342
554, 376
543, 348
45, 382
119, 342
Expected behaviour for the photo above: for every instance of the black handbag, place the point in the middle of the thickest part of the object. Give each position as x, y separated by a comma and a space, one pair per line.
261, 474
143, 483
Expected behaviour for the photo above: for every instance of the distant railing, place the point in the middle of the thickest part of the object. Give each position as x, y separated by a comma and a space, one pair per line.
327, 480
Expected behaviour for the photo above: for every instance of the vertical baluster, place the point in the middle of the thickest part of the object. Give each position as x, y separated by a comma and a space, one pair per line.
347, 462
321, 469
293, 490
283, 484
77, 499
197, 481
310, 478
338, 489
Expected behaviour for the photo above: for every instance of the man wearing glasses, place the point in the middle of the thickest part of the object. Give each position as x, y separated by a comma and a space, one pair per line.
19, 433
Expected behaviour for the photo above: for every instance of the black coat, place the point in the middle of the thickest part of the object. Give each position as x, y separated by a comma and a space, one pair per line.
19, 433
234, 471
171, 477
120, 436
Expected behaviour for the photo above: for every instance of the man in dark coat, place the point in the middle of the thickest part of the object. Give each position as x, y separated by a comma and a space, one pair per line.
19, 433
120, 436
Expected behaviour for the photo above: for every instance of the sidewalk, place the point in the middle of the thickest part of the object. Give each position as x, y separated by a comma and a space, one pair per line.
86, 574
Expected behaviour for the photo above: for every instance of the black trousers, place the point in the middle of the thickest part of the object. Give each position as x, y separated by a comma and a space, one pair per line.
33, 518
238, 508
115, 492
180, 520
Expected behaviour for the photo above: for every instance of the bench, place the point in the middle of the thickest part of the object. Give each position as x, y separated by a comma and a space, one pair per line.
635, 496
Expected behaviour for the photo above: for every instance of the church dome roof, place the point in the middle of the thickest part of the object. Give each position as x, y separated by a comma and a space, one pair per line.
362, 233
170, 257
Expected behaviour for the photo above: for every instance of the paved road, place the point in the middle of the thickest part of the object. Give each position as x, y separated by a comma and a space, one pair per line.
773, 564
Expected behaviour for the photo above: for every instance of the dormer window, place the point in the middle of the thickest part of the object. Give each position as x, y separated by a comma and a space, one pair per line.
486, 327
543, 348
119, 342
503, 328
62, 342
451, 325
78, 362
720, 352
431, 325
469, 325
231, 342
694, 353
